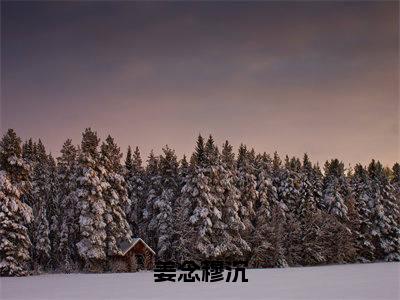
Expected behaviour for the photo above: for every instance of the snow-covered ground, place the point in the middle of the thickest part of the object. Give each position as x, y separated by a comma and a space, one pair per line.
367, 281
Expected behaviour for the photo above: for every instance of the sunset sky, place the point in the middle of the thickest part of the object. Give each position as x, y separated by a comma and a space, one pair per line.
316, 77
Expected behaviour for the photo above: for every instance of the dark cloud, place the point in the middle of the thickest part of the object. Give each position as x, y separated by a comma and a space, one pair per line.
308, 76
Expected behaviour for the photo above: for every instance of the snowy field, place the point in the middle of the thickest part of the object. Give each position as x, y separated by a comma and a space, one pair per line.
368, 281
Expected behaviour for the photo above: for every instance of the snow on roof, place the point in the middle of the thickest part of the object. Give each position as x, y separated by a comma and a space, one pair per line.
126, 246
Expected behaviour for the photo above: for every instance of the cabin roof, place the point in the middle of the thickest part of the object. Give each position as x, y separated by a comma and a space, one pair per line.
126, 246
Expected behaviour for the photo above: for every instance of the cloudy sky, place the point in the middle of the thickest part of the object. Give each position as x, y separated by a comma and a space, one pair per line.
316, 77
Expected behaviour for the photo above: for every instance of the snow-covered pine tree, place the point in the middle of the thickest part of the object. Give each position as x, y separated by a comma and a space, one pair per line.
364, 204
67, 255
267, 196
161, 222
339, 239
318, 183
276, 165
198, 158
228, 157
396, 180
197, 193
15, 215
267, 192
128, 159
289, 185
273, 248
213, 224
336, 190
11, 161
251, 156
304, 222
40, 187
310, 186
90, 191
134, 177
247, 185
28, 155
183, 171
115, 197
181, 216
308, 216
232, 245
28, 151
42, 245
153, 190
14, 218
41, 197
385, 216
126, 172
278, 171
54, 215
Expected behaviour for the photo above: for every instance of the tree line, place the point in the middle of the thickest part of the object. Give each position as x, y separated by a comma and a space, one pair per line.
69, 214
